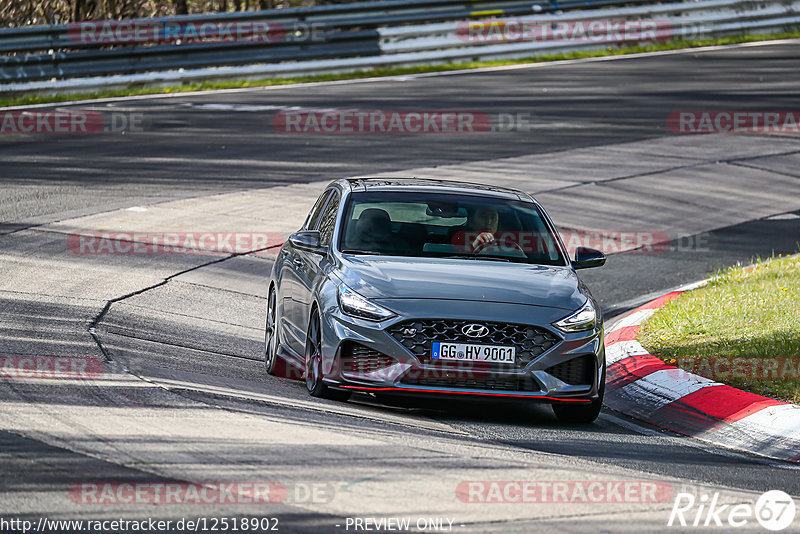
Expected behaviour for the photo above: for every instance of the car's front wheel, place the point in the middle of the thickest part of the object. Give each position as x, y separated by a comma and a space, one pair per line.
313, 371
583, 412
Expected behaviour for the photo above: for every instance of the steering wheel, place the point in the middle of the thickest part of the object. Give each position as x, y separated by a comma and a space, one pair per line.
505, 241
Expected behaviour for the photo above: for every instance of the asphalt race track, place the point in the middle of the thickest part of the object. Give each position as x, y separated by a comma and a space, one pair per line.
183, 396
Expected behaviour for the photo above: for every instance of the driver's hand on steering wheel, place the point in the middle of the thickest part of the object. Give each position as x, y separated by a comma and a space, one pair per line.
484, 238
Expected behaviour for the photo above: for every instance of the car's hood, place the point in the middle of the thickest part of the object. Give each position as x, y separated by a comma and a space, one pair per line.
469, 280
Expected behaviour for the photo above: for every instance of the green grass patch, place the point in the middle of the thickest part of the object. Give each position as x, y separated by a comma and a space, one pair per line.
394, 71
742, 329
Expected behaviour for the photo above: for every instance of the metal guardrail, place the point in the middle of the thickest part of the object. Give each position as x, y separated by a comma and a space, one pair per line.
675, 21
366, 14
368, 35
340, 31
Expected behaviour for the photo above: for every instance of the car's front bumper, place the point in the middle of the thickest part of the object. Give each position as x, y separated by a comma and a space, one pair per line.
384, 365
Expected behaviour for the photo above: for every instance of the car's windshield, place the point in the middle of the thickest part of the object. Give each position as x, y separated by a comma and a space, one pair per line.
426, 224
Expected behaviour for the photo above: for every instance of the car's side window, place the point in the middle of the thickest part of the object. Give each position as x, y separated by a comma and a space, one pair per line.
328, 221
313, 217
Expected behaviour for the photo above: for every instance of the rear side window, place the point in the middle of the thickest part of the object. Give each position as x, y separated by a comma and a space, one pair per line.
328, 221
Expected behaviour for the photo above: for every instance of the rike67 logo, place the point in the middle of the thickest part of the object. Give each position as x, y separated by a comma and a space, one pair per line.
774, 510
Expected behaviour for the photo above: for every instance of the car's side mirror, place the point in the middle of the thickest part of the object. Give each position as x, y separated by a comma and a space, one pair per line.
307, 240
586, 258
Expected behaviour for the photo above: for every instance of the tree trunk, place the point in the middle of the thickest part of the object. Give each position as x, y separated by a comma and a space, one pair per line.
78, 11
181, 7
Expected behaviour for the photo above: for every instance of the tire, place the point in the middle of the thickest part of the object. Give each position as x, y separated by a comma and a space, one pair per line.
313, 372
581, 413
274, 364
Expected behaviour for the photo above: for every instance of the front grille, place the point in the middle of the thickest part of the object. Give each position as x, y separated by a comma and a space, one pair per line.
575, 372
358, 359
496, 383
418, 336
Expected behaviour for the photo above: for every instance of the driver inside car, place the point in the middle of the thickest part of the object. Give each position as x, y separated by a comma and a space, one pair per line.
484, 221
480, 229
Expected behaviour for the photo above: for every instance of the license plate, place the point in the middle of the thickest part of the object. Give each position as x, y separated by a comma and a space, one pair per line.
475, 353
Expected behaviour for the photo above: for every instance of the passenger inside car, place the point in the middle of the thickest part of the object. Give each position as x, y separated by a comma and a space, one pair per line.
373, 231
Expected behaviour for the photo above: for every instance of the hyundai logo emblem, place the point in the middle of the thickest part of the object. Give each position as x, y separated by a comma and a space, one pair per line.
475, 330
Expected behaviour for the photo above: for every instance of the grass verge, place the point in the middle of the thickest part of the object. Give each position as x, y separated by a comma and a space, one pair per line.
742, 329
233, 84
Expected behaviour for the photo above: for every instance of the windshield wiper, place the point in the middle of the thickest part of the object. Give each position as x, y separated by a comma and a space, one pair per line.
491, 258
357, 251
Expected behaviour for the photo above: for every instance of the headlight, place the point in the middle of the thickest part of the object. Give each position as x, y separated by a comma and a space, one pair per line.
583, 319
354, 304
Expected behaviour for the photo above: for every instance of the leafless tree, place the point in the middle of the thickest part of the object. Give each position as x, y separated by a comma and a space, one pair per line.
15, 13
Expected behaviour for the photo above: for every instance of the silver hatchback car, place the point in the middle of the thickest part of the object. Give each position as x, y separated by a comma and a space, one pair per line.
417, 287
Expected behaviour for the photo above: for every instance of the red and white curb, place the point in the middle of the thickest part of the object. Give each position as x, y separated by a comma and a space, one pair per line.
644, 387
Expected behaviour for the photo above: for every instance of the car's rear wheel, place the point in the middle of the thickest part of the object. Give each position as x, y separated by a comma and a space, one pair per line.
581, 412
316, 387
274, 364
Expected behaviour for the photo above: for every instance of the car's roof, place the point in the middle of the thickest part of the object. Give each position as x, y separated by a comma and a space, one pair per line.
428, 184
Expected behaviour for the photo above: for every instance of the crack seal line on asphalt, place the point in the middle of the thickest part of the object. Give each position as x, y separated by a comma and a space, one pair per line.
732, 161
96, 321
226, 290
756, 167
109, 357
